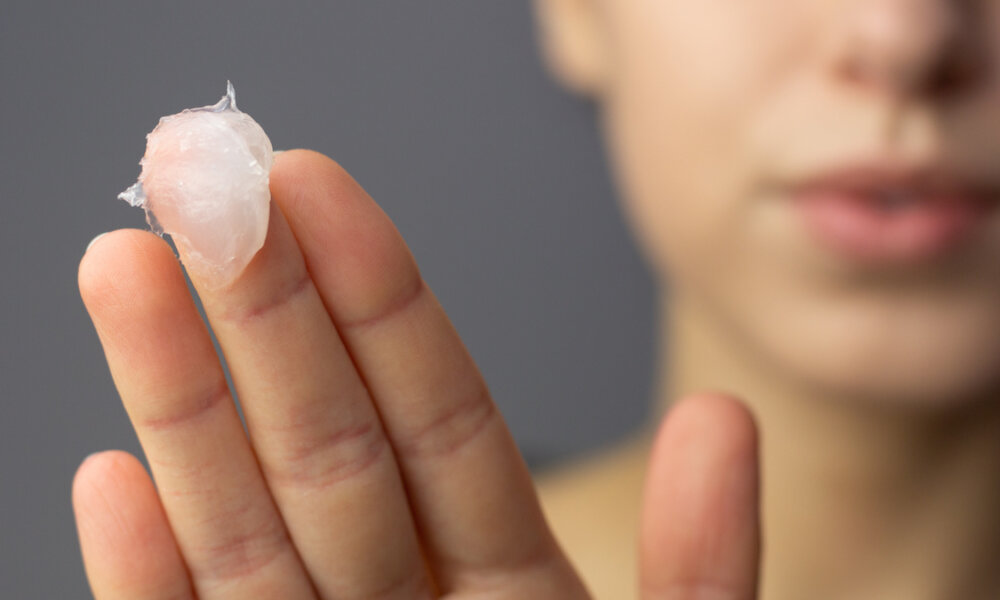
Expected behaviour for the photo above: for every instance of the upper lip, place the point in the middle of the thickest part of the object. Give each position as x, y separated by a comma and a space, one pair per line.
922, 181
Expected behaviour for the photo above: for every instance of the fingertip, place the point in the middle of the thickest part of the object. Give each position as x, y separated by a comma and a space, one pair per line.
86, 480
100, 482
712, 414
303, 162
301, 175
127, 546
120, 261
104, 466
310, 185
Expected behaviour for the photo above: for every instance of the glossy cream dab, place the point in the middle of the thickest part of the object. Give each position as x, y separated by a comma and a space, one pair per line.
204, 181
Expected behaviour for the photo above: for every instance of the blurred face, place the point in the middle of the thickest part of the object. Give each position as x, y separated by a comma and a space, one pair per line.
820, 176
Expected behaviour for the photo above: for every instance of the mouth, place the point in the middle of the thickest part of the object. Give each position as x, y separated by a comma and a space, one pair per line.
879, 214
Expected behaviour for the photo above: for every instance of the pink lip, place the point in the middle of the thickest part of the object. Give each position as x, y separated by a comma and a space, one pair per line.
841, 210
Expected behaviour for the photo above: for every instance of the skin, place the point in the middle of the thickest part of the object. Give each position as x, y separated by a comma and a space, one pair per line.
377, 465
874, 390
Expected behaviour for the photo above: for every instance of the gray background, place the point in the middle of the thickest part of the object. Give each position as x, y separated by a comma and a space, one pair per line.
442, 110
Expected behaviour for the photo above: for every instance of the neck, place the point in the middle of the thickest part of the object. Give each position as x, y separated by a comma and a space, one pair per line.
858, 500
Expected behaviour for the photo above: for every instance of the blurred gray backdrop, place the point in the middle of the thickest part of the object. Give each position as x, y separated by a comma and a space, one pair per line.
442, 110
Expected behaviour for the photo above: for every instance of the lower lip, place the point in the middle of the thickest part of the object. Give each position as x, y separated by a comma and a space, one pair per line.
851, 225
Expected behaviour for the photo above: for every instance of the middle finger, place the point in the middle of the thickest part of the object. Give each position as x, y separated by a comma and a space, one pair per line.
317, 435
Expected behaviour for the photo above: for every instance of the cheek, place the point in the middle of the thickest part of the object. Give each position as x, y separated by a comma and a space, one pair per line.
677, 176
931, 344
690, 81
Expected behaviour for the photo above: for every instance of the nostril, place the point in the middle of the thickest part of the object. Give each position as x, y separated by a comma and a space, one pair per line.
949, 76
962, 69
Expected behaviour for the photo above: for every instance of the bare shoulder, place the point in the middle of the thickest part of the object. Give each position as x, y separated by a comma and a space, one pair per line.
592, 505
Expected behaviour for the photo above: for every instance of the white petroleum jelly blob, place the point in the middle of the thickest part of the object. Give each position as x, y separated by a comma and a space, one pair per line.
204, 181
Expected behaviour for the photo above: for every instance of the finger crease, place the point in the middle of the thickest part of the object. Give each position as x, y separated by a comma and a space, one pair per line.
332, 458
194, 409
454, 429
407, 297
280, 299
242, 555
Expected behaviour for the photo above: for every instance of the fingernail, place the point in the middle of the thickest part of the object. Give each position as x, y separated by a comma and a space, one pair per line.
275, 153
99, 236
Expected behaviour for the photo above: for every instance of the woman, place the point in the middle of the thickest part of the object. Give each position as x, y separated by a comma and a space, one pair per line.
813, 184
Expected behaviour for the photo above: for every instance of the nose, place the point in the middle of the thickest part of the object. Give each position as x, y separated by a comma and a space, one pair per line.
909, 47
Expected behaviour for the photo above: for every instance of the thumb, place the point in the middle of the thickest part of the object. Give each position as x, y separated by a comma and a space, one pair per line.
700, 522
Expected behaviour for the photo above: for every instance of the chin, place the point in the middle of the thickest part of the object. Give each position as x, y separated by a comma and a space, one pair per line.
920, 357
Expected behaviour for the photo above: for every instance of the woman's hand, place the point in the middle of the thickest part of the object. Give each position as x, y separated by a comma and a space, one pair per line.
377, 465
